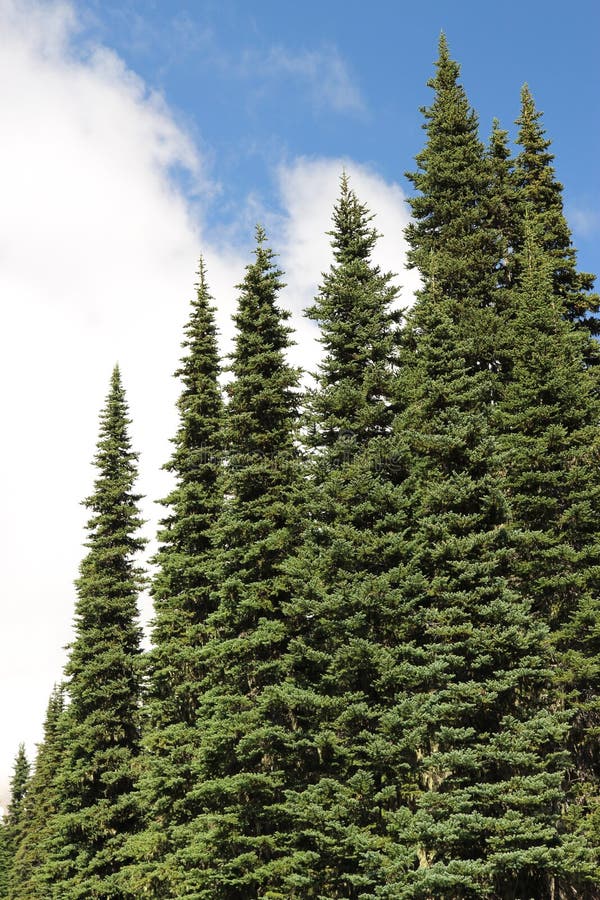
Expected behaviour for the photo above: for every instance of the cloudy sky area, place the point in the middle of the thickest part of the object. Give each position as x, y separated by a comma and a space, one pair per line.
137, 135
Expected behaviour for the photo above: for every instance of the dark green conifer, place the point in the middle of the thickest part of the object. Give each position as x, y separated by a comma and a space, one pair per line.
452, 240
98, 807
245, 735
183, 598
10, 827
482, 749
549, 434
40, 805
479, 812
540, 199
345, 611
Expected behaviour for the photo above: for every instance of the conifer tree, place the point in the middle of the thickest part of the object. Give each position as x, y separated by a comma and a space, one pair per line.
96, 775
540, 199
11, 825
453, 240
472, 719
345, 612
481, 816
549, 434
40, 805
183, 598
245, 734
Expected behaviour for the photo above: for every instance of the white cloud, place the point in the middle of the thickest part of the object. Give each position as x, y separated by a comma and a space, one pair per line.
97, 253
97, 256
323, 71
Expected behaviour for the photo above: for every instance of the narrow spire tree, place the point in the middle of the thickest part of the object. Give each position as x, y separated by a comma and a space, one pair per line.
183, 598
452, 240
98, 808
40, 805
10, 828
345, 611
548, 421
245, 736
540, 196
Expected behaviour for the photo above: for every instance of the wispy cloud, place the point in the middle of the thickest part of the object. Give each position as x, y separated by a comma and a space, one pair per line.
322, 71
583, 220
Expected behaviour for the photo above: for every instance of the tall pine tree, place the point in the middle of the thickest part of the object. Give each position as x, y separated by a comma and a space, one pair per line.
183, 598
345, 611
540, 197
481, 815
453, 240
96, 774
10, 827
548, 420
245, 731
40, 805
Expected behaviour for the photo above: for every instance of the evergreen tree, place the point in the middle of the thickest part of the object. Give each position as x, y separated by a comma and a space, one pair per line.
183, 598
549, 425
96, 774
480, 818
345, 610
479, 812
10, 826
40, 805
540, 198
245, 734
452, 240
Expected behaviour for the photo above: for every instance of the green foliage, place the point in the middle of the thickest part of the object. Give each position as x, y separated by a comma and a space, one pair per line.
539, 197
244, 736
482, 748
183, 598
28, 881
345, 614
10, 826
95, 777
549, 434
376, 641
452, 240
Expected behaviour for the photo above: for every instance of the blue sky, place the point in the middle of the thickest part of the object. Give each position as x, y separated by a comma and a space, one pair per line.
269, 81
136, 135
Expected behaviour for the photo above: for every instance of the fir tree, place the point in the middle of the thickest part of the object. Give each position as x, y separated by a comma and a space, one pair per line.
183, 598
549, 434
40, 805
345, 611
540, 198
96, 774
245, 730
452, 240
481, 815
10, 827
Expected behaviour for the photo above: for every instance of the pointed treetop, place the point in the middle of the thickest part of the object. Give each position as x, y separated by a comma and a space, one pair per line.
201, 285
260, 234
352, 235
448, 70
18, 785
